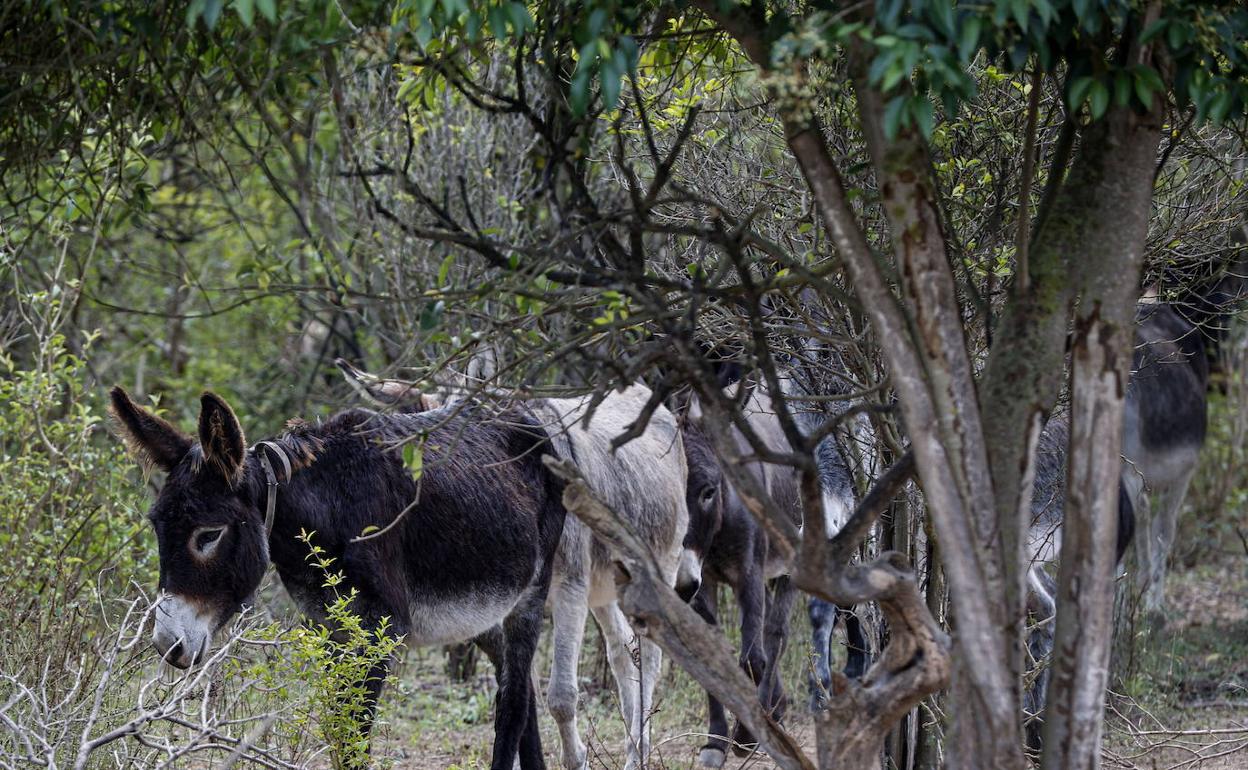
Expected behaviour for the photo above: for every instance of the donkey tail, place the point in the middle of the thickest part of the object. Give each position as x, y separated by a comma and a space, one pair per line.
1126, 520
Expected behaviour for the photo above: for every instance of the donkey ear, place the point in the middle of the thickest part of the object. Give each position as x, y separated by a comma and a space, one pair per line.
387, 393
150, 439
221, 437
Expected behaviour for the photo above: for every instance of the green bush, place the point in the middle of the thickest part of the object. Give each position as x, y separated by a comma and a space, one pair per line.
75, 561
72, 530
336, 660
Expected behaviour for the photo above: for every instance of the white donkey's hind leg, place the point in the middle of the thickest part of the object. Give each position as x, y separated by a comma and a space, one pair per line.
1161, 531
630, 679
651, 670
570, 604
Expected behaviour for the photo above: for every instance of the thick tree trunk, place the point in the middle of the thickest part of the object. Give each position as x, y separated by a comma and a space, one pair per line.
976, 476
925, 350
1119, 154
985, 690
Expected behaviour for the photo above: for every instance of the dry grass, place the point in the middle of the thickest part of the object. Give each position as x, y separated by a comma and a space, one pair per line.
1187, 708
433, 723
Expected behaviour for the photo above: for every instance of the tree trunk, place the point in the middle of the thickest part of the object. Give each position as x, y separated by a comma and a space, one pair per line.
1119, 154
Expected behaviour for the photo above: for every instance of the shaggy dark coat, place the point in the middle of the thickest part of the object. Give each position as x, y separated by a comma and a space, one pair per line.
469, 554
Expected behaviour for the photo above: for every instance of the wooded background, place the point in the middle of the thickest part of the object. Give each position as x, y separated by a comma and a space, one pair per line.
555, 198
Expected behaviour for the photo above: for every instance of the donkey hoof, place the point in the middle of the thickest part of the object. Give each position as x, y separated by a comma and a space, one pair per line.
743, 741
710, 758
744, 749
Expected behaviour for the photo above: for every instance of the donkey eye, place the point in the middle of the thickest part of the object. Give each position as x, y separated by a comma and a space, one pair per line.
205, 539
707, 496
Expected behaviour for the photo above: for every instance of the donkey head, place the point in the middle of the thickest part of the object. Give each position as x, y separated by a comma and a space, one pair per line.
208, 522
704, 496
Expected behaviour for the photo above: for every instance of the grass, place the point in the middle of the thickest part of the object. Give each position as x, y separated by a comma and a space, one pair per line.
432, 722
1192, 678
1187, 704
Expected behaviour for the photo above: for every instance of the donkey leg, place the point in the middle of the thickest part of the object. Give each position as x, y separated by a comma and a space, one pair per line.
713, 753
516, 701
1042, 608
823, 616
570, 605
622, 643
1162, 528
752, 600
858, 651
776, 636
372, 683
492, 643
651, 670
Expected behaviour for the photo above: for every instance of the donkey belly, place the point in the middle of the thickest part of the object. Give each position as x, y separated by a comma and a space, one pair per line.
446, 620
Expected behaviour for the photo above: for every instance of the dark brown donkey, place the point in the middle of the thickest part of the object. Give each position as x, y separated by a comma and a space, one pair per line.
469, 559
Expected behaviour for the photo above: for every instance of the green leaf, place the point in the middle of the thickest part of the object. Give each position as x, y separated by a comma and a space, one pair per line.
520, 19
968, 39
212, 13
896, 71
1078, 92
246, 10
578, 91
498, 20
424, 33
1154, 29
1152, 77
1122, 88
1099, 96
942, 13
1045, 10
1219, 107
1022, 13
268, 9
1177, 35
431, 315
444, 270
924, 116
609, 75
414, 459
1143, 92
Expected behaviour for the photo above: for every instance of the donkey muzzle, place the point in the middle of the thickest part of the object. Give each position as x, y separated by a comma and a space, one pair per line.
688, 575
183, 630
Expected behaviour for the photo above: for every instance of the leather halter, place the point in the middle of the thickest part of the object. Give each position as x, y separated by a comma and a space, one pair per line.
270, 479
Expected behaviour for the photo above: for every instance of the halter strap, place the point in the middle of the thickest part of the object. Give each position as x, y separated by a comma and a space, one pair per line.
270, 501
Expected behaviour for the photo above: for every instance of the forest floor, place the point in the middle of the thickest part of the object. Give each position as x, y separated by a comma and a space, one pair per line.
1185, 707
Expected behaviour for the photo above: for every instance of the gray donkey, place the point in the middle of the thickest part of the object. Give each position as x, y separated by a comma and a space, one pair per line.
644, 481
1044, 544
733, 549
1167, 402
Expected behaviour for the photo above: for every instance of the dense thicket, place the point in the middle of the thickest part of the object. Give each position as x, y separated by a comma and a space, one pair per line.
554, 197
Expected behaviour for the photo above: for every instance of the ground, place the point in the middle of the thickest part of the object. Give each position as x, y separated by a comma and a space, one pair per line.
1186, 708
